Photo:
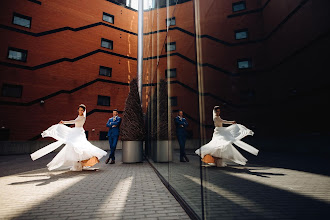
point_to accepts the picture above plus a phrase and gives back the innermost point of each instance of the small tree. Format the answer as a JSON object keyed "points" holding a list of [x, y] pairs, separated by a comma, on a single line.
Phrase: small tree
{"points": [[132, 126], [160, 115]]}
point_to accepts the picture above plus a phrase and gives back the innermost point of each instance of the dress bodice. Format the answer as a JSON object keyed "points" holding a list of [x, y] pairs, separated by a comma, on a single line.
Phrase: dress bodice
{"points": [[217, 121]]}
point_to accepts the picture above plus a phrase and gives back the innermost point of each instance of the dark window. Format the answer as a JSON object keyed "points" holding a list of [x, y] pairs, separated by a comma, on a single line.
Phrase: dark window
{"points": [[103, 135], [14, 91], [107, 43], [105, 71], [108, 18], [170, 73], [170, 21], [170, 46], [103, 100], [239, 6], [244, 63], [17, 54], [292, 91], [22, 20], [4, 134], [241, 34], [121, 2], [174, 101], [163, 3], [248, 95]]}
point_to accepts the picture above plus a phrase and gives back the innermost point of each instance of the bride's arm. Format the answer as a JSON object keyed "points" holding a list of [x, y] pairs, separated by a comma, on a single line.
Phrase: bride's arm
{"points": [[72, 121], [228, 122]]}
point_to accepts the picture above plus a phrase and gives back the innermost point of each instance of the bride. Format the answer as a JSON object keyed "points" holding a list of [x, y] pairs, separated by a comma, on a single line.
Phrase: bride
{"points": [[220, 148], [78, 152]]}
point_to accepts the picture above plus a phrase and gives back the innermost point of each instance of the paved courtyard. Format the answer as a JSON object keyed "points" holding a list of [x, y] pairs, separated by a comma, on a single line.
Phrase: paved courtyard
{"points": [[270, 186], [121, 191]]}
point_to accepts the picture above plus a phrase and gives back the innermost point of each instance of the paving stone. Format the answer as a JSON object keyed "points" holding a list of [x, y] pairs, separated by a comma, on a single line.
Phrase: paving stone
{"points": [[36, 193], [270, 186]]}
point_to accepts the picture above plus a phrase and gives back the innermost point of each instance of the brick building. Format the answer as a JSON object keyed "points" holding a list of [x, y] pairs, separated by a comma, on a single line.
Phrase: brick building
{"points": [[261, 60], [58, 54]]}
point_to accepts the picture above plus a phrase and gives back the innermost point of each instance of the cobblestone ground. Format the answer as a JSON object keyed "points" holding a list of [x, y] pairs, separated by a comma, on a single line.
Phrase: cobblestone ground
{"points": [[121, 191], [270, 186]]}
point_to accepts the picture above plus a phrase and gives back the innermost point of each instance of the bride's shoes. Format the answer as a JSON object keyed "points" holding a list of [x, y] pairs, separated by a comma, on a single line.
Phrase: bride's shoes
{"points": [[76, 166]]}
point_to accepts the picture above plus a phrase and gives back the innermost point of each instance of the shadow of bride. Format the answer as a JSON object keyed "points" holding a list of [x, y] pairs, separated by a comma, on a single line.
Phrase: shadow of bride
{"points": [[251, 172], [45, 181]]}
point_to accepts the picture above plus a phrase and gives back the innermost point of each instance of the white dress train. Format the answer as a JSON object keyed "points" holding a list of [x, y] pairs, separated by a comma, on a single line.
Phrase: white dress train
{"points": [[221, 145], [77, 148]]}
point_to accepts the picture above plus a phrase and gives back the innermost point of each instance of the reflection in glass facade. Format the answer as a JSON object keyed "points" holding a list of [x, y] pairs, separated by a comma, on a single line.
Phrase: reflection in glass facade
{"points": [[245, 57]]}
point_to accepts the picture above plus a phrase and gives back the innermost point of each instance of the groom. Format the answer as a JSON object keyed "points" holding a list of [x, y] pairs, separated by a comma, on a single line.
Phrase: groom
{"points": [[181, 124], [113, 134]]}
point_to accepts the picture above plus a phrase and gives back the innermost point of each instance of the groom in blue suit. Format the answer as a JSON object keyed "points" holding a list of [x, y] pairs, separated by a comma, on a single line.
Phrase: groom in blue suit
{"points": [[181, 124], [113, 134]]}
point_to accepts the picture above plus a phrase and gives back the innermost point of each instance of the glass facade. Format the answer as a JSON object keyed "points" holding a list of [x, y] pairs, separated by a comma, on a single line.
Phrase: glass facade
{"points": [[241, 56]]}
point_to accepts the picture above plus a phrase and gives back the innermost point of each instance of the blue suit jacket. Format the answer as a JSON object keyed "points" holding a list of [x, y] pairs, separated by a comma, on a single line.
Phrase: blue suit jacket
{"points": [[180, 125], [113, 131]]}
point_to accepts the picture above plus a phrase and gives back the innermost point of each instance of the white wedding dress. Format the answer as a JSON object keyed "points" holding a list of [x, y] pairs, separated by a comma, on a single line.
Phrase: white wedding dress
{"points": [[77, 148], [221, 145]]}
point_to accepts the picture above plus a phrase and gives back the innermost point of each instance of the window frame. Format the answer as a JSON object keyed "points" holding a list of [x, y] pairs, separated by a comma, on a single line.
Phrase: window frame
{"points": [[170, 19], [13, 86], [102, 96], [103, 134], [110, 15], [242, 30], [107, 40], [4, 134], [169, 70], [248, 95], [176, 101], [107, 68], [238, 3], [171, 43], [242, 60], [17, 50], [21, 16]]}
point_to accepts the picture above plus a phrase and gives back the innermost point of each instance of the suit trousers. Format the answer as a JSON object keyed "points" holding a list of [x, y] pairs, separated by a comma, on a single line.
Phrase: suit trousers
{"points": [[182, 143], [113, 144]]}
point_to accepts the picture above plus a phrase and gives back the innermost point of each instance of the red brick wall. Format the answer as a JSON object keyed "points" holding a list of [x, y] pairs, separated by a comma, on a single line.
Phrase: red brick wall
{"points": [[285, 45], [286, 41], [26, 122]]}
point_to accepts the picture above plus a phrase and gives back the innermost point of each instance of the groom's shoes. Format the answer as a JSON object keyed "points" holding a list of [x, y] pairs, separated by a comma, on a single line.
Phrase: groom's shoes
{"points": [[112, 162], [107, 161], [182, 160], [186, 158]]}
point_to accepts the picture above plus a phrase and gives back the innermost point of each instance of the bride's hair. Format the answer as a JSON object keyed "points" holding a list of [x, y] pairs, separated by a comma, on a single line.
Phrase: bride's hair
{"points": [[216, 108], [82, 106]]}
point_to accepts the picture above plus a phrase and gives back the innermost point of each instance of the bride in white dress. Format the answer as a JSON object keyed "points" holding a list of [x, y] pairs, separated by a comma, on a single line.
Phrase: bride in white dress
{"points": [[221, 148], [78, 152]]}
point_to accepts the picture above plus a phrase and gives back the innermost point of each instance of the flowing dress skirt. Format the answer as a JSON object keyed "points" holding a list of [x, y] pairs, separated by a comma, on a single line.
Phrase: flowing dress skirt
{"points": [[77, 148], [221, 145]]}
